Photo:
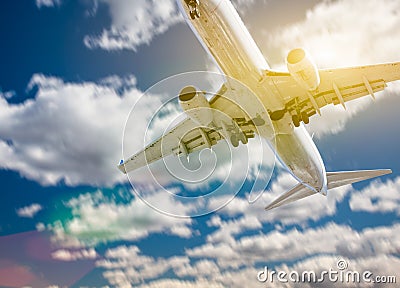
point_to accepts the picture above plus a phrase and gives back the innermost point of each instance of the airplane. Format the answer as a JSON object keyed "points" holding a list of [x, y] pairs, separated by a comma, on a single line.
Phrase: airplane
{"points": [[289, 100]]}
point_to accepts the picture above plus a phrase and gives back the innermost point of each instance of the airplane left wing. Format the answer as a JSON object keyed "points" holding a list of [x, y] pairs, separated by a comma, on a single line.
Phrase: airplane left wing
{"points": [[337, 86], [183, 139], [188, 136]]}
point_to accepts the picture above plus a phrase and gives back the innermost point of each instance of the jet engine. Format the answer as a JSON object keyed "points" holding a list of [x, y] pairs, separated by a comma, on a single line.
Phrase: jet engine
{"points": [[196, 105], [303, 69]]}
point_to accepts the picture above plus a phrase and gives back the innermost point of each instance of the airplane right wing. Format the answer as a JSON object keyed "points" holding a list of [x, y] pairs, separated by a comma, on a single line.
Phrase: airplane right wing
{"points": [[337, 86]]}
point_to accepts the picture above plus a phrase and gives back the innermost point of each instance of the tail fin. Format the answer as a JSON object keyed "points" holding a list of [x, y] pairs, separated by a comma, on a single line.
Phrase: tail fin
{"points": [[335, 179]]}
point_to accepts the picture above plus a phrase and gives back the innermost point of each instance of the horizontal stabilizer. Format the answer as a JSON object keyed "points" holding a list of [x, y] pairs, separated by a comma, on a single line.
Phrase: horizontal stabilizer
{"points": [[335, 179], [296, 193]]}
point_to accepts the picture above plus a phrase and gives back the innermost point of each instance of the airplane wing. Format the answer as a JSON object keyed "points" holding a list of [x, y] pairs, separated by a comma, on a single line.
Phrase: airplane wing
{"points": [[187, 137], [184, 138], [337, 86]]}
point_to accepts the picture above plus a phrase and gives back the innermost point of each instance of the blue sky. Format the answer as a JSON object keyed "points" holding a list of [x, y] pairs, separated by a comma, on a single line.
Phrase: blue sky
{"points": [[70, 73]]}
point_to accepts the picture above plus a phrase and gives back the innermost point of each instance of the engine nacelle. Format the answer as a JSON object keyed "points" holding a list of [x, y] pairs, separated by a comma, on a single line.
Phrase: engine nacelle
{"points": [[196, 105], [303, 69]]}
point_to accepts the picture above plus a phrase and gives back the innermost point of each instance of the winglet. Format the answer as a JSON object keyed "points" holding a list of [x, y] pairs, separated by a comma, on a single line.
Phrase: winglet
{"points": [[121, 166]]}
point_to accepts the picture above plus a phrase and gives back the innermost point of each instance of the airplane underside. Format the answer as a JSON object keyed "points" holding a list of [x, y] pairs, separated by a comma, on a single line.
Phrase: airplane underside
{"points": [[257, 100]]}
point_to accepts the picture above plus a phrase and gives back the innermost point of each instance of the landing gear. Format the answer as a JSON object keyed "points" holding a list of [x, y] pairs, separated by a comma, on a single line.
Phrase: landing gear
{"points": [[296, 120], [305, 118], [235, 138], [195, 13], [234, 141], [193, 6], [243, 139]]}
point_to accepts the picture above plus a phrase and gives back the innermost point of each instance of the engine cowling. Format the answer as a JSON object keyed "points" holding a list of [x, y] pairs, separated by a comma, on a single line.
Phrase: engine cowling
{"points": [[196, 105], [303, 69]]}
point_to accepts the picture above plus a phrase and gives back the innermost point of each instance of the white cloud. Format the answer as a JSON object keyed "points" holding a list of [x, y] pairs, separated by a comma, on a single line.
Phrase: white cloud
{"points": [[40, 227], [237, 264], [227, 229], [29, 211], [70, 132], [378, 197], [300, 212], [382, 265], [127, 265], [167, 283], [47, 3], [243, 5], [138, 22], [336, 38], [67, 255], [135, 23], [294, 244], [98, 219]]}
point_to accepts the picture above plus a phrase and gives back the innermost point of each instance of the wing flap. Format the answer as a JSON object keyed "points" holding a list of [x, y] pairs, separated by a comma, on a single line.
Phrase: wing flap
{"points": [[337, 86], [184, 138]]}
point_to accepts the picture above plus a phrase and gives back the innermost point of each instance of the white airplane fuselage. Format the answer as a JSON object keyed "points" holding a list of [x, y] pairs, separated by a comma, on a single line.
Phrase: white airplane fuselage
{"points": [[225, 37]]}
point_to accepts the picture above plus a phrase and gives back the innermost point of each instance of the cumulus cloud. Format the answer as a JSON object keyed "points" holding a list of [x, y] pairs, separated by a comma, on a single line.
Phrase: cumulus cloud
{"points": [[47, 3], [166, 283], [237, 264], [243, 5], [300, 212], [382, 265], [294, 245], [336, 38], [127, 265], [70, 132], [228, 229], [29, 211], [68, 255], [135, 23], [97, 218], [378, 197]]}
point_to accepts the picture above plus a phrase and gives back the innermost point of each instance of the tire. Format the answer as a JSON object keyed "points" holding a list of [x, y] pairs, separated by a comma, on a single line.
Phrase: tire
{"points": [[234, 141], [296, 120], [197, 12], [305, 118], [244, 139]]}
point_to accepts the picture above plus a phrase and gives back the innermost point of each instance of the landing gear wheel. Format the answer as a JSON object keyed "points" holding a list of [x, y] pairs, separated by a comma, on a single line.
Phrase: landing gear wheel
{"points": [[296, 120], [244, 139], [197, 12], [234, 141], [305, 118], [192, 15]]}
